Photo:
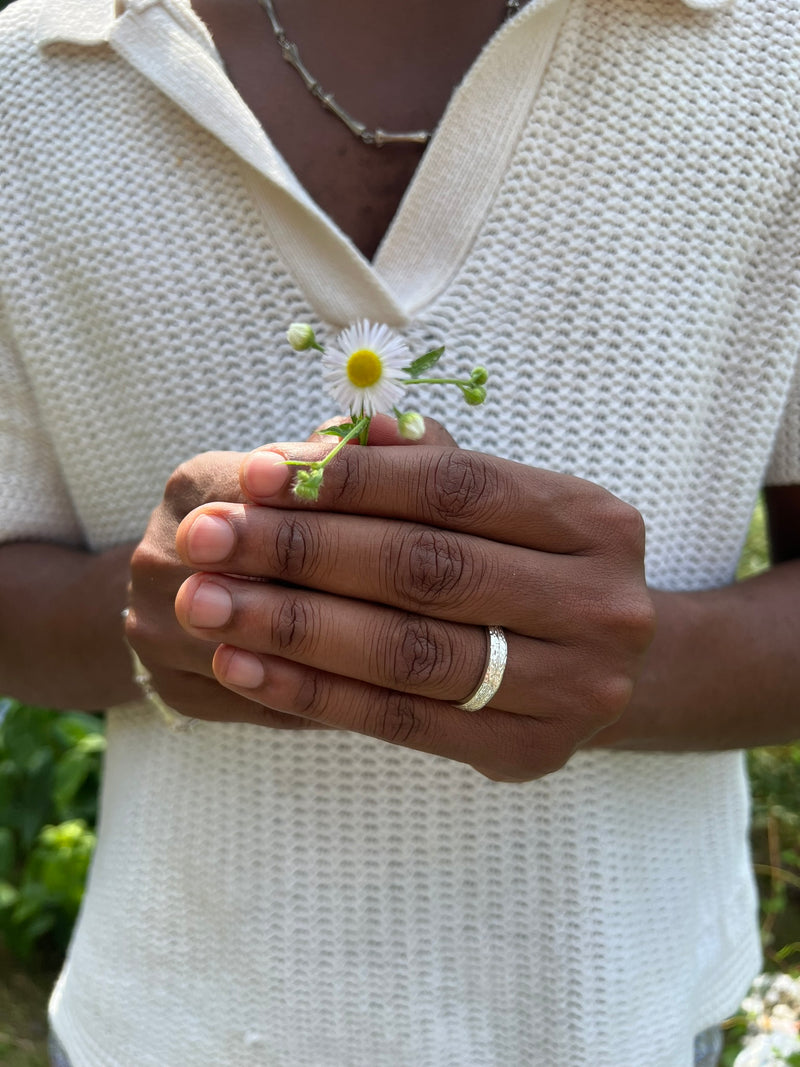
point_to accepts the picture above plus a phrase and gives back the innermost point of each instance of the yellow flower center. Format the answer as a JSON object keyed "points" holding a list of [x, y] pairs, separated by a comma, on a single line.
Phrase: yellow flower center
{"points": [[364, 368]]}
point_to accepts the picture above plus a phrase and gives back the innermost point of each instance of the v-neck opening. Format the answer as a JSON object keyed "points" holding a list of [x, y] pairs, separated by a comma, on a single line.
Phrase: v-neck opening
{"points": [[449, 194], [457, 180]]}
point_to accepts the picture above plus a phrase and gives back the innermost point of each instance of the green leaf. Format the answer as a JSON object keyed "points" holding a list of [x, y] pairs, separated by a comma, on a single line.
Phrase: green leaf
{"points": [[73, 727], [424, 363], [39, 925], [25, 734], [34, 803], [71, 772], [342, 430], [8, 852], [10, 778], [33, 899], [92, 745], [8, 895]]}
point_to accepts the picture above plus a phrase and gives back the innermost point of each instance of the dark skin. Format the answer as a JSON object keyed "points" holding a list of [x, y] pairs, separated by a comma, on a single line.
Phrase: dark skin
{"points": [[783, 510], [417, 52], [721, 672]]}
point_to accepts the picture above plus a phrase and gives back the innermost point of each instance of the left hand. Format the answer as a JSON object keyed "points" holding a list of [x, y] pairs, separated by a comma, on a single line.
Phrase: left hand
{"points": [[395, 573]]}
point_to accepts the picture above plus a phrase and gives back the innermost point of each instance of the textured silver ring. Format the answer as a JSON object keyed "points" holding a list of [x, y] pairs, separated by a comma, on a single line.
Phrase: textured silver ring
{"points": [[493, 675]]}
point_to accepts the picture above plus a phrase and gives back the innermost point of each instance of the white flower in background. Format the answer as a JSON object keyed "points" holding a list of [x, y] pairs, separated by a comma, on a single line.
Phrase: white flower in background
{"points": [[364, 370], [773, 1022]]}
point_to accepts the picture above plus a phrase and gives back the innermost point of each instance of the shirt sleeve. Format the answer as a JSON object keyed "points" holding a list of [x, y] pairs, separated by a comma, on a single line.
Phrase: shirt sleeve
{"points": [[34, 501]]}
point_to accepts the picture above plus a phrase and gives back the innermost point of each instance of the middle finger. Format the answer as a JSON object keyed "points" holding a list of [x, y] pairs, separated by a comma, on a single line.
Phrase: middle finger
{"points": [[417, 568]]}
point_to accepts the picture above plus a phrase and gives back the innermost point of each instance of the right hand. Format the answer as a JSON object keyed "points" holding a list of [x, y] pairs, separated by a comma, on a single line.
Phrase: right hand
{"points": [[180, 664]]}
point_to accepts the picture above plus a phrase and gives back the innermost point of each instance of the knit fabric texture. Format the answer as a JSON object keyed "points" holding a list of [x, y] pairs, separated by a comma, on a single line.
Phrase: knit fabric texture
{"points": [[625, 262]]}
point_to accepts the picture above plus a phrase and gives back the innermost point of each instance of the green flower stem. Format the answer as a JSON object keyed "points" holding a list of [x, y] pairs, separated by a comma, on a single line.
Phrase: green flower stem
{"points": [[360, 428], [435, 381]]}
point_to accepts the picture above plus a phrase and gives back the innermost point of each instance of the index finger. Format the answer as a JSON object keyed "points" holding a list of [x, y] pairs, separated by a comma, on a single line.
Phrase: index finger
{"points": [[451, 488]]}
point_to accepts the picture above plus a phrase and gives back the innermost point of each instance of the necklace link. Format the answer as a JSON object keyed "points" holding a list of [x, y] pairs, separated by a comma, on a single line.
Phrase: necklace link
{"points": [[377, 137]]}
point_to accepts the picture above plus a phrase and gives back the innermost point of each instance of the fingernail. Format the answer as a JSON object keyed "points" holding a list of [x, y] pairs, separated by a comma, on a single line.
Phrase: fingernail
{"points": [[265, 474], [210, 539], [211, 606], [244, 670]]}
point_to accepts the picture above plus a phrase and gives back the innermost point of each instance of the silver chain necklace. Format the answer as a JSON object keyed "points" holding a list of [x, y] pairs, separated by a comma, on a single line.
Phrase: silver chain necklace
{"points": [[376, 137]]}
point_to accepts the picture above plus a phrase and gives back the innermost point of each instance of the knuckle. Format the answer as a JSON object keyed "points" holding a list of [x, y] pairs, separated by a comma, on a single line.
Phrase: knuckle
{"points": [[292, 624], [629, 527], [619, 618], [154, 575], [350, 482], [629, 620], [605, 701], [182, 490], [202, 479], [464, 483], [416, 655], [310, 694], [435, 568], [619, 526], [151, 559], [402, 718], [639, 622], [293, 545], [143, 558], [347, 480]]}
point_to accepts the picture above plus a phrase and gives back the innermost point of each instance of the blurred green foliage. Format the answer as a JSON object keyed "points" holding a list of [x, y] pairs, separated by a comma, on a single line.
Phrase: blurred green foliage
{"points": [[49, 776], [775, 775], [755, 554], [775, 834]]}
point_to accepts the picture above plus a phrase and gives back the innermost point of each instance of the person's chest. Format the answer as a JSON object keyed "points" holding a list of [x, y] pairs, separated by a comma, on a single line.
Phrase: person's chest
{"points": [[393, 69]]}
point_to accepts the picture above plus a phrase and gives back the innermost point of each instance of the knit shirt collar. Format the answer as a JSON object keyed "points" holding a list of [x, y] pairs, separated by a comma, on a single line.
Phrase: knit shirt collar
{"points": [[89, 22]]}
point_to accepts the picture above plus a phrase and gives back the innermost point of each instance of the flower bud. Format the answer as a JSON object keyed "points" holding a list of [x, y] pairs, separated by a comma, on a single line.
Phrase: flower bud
{"points": [[474, 394], [307, 484], [301, 337], [411, 425], [479, 376]]}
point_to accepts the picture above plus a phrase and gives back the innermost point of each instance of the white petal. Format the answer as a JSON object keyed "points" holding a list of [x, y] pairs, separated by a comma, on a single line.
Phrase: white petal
{"points": [[394, 356]]}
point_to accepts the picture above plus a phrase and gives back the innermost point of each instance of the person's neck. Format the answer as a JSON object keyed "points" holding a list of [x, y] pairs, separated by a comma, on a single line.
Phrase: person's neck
{"points": [[391, 65], [416, 31]]}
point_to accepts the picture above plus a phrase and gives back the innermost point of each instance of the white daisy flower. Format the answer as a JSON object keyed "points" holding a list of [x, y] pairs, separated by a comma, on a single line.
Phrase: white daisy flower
{"points": [[363, 369]]}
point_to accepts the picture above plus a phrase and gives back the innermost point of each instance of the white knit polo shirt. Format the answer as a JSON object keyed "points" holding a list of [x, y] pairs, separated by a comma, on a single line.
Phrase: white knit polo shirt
{"points": [[608, 218]]}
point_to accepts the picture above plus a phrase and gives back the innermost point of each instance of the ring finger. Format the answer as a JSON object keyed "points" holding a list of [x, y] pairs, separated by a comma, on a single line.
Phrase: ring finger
{"points": [[370, 643]]}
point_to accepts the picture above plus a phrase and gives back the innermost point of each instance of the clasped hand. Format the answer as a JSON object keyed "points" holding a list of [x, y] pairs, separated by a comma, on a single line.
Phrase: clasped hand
{"points": [[369, 609]]}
